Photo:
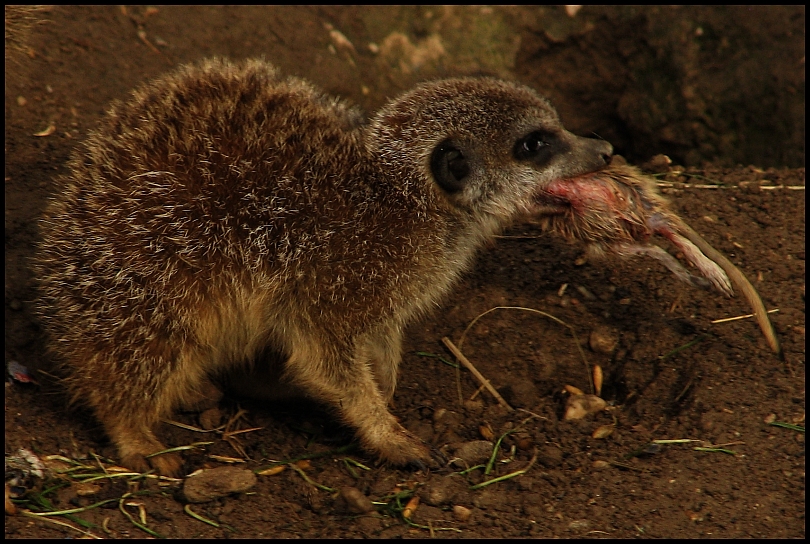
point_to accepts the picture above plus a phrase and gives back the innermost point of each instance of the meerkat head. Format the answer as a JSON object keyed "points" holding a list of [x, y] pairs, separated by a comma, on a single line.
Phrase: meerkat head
{"points": [[480, 147]]}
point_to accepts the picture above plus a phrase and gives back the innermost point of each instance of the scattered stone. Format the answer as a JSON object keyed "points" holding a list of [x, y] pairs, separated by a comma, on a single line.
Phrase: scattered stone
{"points": [[461, 513], [474, 406], [524, 441], [603, 340], [579, 406], [352, 500], [26, 464], [474, 452], [213, 483], [521, 394], [442, 491]]}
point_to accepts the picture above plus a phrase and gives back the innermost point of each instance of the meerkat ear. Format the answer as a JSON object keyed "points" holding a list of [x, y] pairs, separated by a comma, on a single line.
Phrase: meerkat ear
{"points": [[449, 166]]}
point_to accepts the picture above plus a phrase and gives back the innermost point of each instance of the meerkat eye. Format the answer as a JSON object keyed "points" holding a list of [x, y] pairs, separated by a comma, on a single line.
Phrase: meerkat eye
{"points": [[449, 166], [534, 146]]}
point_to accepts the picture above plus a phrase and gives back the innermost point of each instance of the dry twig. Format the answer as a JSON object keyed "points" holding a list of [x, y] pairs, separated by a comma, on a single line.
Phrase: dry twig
{"points": [[463, 360]]}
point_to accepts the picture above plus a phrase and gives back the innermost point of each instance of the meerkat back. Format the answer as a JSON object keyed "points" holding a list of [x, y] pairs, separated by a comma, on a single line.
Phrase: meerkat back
{"points": [[166, 252]]}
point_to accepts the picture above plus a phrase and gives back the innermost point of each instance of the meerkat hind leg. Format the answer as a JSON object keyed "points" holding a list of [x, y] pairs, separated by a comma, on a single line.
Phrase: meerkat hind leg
{"points": [[184, 384], [136, 441]]}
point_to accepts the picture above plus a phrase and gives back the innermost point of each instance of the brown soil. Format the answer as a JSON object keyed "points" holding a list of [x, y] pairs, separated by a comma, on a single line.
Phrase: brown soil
{"points": [[722, 388]]}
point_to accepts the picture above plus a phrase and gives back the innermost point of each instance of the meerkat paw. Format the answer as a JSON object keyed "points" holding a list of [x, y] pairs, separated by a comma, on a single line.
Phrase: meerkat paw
{"points": [[137, 447], [166, 464], [401, 448]]}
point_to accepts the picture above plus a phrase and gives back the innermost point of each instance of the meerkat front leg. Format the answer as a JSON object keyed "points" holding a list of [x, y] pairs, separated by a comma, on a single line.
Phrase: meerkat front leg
{"points": [[346, 381], [383, 349]]}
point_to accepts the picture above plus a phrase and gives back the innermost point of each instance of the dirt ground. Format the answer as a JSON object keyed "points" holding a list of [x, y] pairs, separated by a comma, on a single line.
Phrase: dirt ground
{"points": [[672, 374]]}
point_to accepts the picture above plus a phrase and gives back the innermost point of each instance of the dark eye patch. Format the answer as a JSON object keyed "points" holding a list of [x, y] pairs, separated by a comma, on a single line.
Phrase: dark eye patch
{"points": [[449, 166], [537, 146]]}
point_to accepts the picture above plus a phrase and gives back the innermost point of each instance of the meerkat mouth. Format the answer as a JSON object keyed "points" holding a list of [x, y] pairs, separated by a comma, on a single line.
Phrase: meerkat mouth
{"points": [[565, 196], [581, 191]]}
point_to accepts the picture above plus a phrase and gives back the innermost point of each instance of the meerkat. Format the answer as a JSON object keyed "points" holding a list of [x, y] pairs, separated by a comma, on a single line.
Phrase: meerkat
{"points": [[224, 210]]}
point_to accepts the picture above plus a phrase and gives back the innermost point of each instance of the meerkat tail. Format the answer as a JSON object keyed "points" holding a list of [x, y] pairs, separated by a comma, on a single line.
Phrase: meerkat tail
{"points": [[739, 279]]}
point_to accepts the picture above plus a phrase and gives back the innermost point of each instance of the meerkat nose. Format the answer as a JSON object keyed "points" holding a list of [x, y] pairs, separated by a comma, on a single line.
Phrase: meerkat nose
{"points": [[606, 151]]}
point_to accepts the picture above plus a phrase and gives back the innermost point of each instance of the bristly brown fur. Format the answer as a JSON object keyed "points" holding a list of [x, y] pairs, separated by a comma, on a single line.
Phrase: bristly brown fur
{"points": [[20, 21], [223, 210]]}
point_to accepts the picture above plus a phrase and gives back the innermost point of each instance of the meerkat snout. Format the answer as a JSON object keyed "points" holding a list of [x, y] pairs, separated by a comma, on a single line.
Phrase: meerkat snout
{"points": [[490, 146], [223, 212], [587, 155]]}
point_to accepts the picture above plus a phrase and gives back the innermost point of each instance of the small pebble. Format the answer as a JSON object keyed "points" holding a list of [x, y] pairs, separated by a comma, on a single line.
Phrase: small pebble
{"points": [[474, 406], [441, 491], [461, 513], [579, 406], [210, 484], [603, 340], [475, 452], [524, 442], [353, 501], [520, 393]]}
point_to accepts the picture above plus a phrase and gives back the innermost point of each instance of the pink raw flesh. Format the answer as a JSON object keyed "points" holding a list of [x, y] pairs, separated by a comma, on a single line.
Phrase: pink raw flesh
{"points": [[618, 212]]}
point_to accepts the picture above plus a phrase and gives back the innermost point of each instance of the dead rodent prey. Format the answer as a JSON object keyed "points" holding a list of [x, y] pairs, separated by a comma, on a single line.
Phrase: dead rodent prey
{"points": [[618, 210]]}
